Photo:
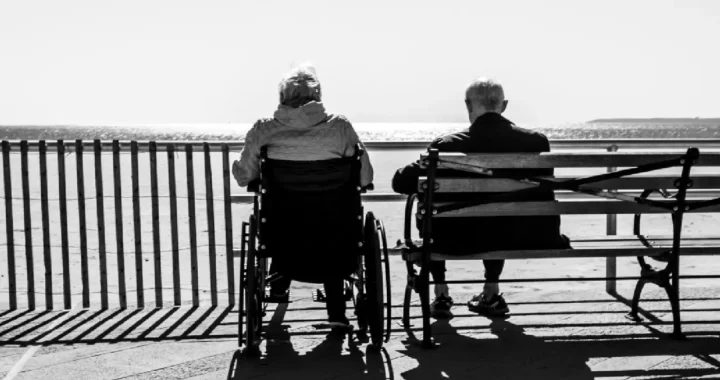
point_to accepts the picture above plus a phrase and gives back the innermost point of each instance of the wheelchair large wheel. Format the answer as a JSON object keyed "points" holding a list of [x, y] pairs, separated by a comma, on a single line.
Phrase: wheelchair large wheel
{"points": [[254, 292], [375, 305]]}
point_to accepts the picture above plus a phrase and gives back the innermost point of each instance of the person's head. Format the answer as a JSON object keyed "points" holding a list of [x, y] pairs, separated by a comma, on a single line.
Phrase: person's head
{"points": [[299, 87], [484, 95]]}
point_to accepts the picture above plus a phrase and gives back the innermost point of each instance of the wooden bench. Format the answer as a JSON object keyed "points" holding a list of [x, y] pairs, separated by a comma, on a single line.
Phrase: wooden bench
{"points": [[626, 191]]}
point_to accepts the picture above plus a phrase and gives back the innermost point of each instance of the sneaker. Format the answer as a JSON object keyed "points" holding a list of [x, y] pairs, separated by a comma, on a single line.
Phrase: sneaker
{"points": [[440, 307], [494, 307]]}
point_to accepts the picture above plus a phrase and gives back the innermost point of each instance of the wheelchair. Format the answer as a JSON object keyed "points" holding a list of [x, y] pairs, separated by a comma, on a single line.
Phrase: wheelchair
{"points": [[308, 220]]}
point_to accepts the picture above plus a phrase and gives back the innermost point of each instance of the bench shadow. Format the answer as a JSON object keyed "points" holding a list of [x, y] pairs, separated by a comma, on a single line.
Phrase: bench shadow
{"points": [[508, 354]]}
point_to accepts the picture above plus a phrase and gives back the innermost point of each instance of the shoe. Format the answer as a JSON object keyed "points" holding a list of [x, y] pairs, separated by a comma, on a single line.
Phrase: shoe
{"points": [[318, 295], [280, 297], [494, 307], [341, 325], [440, 307], [663, 257]]}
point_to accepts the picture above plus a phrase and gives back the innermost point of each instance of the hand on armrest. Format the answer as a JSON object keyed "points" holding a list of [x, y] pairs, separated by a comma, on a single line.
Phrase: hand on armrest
{"points": [[368, 187]]}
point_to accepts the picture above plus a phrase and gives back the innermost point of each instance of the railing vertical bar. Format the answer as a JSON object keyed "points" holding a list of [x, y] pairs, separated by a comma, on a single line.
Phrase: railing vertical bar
{"points": [[122, 288], [100, 209], [228, 225], [62, 193], [82, 223], [191, 220], [28, 225], [174, 225], [7, 180], [156, 224], [136, 221], [47, 257], [611, 229], [211, 224]]}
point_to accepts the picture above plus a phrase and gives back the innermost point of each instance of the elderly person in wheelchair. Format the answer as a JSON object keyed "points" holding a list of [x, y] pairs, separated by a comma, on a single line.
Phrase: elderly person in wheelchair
{"points": [[308, 169]]}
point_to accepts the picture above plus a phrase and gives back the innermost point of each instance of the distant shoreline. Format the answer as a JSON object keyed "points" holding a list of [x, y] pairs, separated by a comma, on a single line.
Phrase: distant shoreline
{"points": [[656, 120]]}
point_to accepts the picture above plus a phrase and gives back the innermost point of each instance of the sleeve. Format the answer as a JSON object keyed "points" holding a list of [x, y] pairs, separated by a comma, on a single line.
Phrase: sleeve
{"points": [[405, 180], [247, 168], [544, 146], [366, 170]]}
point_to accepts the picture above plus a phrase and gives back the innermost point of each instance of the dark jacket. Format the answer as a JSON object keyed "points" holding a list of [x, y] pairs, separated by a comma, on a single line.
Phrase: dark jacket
{"points": [[490, 133]]}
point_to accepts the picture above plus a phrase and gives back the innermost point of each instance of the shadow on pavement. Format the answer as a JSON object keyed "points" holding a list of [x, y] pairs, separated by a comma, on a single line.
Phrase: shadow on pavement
{"points": [[333, 357]]}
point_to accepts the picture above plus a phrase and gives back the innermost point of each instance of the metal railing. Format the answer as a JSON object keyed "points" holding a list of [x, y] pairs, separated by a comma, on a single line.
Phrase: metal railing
{"points": [[117, 149]]}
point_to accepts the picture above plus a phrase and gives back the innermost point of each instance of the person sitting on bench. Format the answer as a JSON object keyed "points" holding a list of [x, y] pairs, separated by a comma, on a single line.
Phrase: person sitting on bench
{"points": [[489, 132], [301, 130]]}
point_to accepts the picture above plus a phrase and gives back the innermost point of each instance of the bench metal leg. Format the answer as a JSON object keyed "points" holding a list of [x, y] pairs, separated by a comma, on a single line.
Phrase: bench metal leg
{"points": [[409, 288], [672, 292], [662, 278], [633, 315], [424, 290]]}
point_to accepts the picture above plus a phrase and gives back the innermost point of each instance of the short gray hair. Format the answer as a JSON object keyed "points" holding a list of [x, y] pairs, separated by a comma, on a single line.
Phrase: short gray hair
{"points": [[299, 87], [486, 92]]}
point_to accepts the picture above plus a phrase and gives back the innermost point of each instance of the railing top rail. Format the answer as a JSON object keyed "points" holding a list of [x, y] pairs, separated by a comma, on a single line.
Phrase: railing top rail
{"points": [[237, 145]]}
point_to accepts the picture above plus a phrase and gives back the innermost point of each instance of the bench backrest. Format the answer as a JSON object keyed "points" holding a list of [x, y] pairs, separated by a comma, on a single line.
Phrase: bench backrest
{"points": [[582, 204]]}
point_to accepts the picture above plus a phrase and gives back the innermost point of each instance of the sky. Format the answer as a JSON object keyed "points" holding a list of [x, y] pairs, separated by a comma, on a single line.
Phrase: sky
{"points": [[220, 61]]}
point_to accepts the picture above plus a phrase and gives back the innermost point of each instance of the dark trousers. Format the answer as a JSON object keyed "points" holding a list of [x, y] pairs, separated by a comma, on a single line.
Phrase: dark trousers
{"points": [[334, 294], [493, 270]]}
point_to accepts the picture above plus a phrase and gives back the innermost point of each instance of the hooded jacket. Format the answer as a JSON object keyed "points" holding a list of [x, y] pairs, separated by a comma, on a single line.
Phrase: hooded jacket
{"points": [[305, 133]]}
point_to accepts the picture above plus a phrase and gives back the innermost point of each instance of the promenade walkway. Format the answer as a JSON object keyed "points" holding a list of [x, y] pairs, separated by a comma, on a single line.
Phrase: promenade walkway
{"points": [[556, 331]]}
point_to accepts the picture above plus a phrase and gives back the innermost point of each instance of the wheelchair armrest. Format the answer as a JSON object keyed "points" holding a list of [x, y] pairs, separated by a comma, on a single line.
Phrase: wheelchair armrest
{"points": [[253, 186]]}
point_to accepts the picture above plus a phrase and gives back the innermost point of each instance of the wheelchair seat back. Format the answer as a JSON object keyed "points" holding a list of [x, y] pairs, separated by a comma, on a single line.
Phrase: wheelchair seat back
{"points": [[310, 217]]}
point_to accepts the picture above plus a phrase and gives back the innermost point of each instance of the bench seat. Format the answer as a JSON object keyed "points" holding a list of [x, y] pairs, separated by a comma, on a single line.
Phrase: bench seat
{"points": [[596, 246]]}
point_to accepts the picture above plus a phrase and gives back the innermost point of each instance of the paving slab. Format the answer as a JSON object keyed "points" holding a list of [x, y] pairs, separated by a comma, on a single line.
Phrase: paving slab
{"points": [[555, 331]]}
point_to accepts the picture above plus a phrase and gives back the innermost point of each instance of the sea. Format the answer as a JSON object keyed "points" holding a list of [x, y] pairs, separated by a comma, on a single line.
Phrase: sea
{"points": [[603, 129]]}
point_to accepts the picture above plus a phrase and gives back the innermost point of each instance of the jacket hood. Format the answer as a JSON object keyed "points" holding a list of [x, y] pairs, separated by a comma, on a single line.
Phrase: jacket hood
{"points": [[304, 116]]}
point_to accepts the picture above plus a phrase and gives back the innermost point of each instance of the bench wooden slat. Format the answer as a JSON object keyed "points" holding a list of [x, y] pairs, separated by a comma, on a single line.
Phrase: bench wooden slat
{"points": [[605, 246], [568, 159], [568, 207], [489, 185]]}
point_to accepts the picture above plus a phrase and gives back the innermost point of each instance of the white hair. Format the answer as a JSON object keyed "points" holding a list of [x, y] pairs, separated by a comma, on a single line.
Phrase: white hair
{"points": [[486, 92], [299, 86]]}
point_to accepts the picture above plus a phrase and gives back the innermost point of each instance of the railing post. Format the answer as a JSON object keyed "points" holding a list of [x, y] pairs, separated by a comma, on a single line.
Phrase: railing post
{"points": [[228, 225], [156, 224], [47, 254], [174, 225], [100, 212], [82, 223], [211, 224], [30, 266], [191, 221], [122, 289], [611, 229], [136, 222], [9, 228]]}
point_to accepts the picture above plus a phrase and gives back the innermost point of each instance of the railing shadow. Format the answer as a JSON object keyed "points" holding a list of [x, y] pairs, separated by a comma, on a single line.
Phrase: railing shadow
{"points": [[113, 326]]}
